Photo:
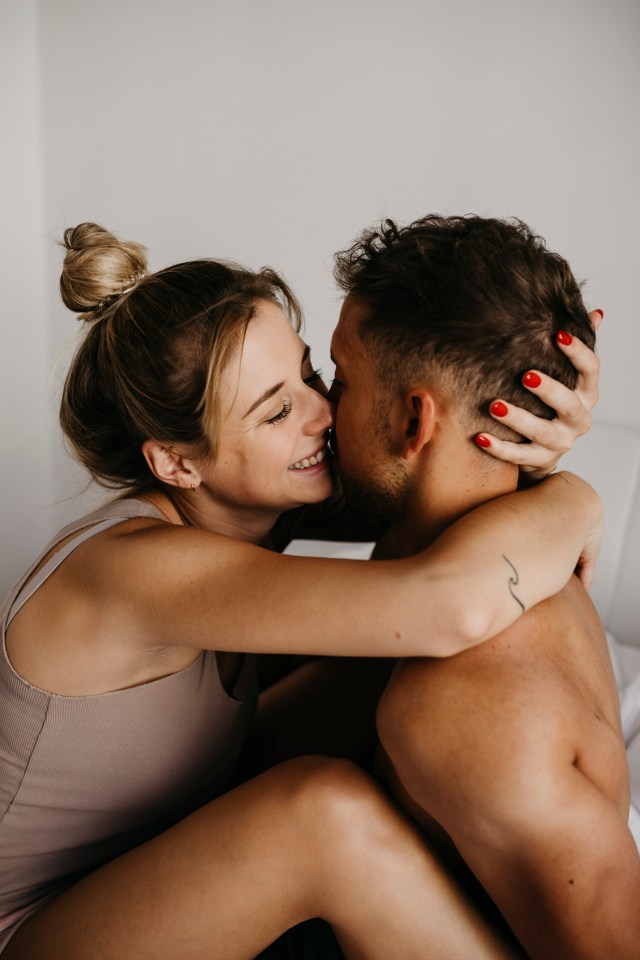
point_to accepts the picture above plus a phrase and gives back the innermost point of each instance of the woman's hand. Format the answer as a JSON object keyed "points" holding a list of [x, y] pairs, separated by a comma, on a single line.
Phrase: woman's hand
{"points": [[550, 439]]}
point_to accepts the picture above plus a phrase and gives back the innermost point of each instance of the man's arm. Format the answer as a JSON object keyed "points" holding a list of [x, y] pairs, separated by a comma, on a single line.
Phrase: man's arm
{"points": [[559, 862], [554, 854]]}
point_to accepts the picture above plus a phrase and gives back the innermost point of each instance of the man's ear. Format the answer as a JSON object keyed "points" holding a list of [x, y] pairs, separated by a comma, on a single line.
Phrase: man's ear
{"points": [[169, 466], [420, 418]]}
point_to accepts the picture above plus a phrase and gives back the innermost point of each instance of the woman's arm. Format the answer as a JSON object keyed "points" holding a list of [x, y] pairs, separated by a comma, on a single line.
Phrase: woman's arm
{"points": [[177, 585]]}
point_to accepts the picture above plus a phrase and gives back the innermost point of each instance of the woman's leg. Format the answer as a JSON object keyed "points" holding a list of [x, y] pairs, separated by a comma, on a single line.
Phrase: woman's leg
{"points": [[311, 838]]}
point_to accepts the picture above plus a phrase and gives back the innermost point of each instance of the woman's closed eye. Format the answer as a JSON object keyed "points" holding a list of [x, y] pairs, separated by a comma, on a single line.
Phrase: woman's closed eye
{"points": [[313, 377], [314, 380], [286, 410]]}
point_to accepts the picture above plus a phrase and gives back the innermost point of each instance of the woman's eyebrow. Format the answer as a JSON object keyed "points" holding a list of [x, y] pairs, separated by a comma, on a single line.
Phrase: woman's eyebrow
{"points": [[265, 396], [278, 386]]}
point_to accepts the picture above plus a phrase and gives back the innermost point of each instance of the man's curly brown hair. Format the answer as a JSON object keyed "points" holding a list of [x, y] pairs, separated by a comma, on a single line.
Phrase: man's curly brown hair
{"points": [[468, 303]]}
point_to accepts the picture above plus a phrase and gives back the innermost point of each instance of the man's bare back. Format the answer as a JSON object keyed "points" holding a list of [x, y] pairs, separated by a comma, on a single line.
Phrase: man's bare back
{"points": [[514, 749]]}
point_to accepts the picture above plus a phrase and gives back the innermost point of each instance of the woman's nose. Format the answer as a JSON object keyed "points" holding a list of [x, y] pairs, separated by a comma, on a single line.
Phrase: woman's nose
{"points": [[320, 413]]}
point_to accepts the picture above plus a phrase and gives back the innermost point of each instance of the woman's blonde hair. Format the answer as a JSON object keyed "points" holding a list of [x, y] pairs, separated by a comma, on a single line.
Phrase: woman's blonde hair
{"points": [[150, 364]]}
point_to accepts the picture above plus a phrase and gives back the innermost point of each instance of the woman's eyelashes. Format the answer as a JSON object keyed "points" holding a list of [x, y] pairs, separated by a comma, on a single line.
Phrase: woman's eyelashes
{"points": [[313, 377], [286, 410]]}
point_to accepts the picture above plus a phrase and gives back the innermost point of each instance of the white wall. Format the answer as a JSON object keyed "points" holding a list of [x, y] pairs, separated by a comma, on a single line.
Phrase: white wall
{"points": [[273, 130], [25, 355]]}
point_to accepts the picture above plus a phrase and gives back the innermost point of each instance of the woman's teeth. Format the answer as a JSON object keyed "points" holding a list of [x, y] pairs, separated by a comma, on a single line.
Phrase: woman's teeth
{"points": [[308, 461]]}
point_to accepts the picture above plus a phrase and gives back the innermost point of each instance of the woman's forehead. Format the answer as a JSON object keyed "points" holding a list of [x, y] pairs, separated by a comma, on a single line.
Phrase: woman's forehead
{"points": [[268, 356]]}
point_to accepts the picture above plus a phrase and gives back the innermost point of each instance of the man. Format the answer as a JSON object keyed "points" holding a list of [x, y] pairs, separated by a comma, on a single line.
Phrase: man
{"points": [[509, 755]]}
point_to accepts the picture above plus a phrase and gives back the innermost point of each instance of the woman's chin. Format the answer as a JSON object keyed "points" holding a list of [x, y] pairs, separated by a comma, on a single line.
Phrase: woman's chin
{"points": [[313, 484]]}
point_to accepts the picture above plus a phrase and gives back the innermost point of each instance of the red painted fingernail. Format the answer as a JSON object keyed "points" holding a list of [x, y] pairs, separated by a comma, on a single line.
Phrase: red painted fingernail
{"points": [[499, 409], [601, 312], [531, 379], [483, 441], [563, 337]]}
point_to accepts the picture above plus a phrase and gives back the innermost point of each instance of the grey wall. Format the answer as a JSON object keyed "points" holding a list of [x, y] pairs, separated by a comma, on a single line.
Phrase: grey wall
{"points": [[26, 437], [272, 131]]}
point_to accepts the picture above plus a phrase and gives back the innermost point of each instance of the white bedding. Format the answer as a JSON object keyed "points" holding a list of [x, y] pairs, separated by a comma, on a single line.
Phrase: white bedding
{"points": [[626, 664]]}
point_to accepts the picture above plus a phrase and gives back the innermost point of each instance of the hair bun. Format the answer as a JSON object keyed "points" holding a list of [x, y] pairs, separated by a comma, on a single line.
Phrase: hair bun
{"points": [[98, 266]]}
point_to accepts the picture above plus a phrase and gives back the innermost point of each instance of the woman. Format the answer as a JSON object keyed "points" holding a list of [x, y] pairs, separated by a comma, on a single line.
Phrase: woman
{"points": [[126, 689]]}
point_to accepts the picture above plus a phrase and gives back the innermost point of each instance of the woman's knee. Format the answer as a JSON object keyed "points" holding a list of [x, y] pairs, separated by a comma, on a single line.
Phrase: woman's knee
{"points": [[344, 811], [327, 788]]}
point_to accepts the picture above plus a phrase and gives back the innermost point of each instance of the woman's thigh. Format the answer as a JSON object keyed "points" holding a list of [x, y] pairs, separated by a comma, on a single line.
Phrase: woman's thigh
{"points": [[312, 838], [222, 884]]}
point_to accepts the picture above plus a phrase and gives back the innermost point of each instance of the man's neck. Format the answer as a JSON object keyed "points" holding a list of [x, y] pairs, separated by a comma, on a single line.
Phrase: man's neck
{"points": [[452, 482]]}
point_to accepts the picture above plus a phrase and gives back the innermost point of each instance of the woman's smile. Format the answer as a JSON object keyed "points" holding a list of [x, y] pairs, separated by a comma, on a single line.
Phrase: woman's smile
{"points": [[315, 459]]}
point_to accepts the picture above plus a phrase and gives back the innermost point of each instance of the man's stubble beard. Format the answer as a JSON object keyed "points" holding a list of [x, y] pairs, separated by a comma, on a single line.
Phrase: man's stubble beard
{"points": [[373, 504], [382, 496]]}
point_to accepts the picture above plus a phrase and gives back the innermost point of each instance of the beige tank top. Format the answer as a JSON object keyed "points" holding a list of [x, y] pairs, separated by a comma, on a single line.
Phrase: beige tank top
{"points": [[82, 779]]}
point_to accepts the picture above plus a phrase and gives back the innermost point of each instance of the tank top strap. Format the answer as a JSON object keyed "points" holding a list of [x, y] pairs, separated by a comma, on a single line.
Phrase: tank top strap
{"points": [[101, 519]]}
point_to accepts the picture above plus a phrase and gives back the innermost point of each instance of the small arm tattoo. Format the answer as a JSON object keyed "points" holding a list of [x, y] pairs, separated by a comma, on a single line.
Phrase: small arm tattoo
{"points": [[513, 582]]}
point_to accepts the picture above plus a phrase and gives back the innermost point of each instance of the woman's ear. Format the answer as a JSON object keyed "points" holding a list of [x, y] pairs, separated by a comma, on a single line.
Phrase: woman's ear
{"points": [[420, 410], [169, 466]]}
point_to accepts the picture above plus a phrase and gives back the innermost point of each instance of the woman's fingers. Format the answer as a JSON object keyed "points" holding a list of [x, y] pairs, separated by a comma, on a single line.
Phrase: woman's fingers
{"points": [[572, 408], [534, 458], [586, 363], [547, 433], [549, 439]]}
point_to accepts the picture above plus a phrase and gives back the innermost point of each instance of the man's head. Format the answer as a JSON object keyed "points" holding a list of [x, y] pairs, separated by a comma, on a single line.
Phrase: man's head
{"points": [[461, 305]]}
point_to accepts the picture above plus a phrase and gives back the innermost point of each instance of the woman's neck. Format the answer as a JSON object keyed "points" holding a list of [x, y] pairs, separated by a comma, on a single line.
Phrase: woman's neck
{"points": [[195, 508]]}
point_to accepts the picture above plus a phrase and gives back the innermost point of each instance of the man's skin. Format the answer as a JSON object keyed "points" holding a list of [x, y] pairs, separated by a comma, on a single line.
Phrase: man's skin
{"points": [[510, 755]]}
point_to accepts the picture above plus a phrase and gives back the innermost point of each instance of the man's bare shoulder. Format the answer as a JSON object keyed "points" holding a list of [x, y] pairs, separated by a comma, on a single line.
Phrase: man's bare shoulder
{"points": [[539, 694], [511, 758]]}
